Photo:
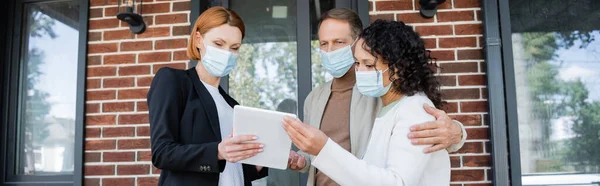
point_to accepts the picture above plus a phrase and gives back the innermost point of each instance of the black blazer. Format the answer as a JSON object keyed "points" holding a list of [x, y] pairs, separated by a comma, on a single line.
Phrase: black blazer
{"points": [[185, 130]]}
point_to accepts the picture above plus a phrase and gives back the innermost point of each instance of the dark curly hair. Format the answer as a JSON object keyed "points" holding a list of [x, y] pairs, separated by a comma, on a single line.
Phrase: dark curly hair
{"points": [[404, 50]]}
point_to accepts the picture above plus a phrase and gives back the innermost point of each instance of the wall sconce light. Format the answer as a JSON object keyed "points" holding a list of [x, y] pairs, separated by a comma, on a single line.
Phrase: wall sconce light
{"points": [[131, 14], [429, 7]]}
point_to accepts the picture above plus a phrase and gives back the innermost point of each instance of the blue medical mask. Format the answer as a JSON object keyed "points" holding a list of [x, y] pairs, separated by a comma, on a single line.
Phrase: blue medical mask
{"points": [[370, 83], [219, 62], [339, 61]]}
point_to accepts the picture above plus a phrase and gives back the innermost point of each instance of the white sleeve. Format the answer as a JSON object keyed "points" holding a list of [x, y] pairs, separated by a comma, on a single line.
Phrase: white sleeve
{"points": [[456, 147], [405, 164]]}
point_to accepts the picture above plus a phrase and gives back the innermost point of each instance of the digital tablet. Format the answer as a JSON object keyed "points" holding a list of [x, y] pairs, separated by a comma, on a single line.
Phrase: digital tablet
{"points": [[268, 126]]}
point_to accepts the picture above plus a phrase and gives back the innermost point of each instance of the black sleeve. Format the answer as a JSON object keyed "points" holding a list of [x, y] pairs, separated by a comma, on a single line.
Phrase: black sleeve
{"points": [[165, 105], [250, 173]]}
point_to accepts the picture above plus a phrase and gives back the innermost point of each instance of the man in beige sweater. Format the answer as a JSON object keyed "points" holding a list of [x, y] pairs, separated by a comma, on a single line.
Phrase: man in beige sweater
{"points": [[344, 114]]}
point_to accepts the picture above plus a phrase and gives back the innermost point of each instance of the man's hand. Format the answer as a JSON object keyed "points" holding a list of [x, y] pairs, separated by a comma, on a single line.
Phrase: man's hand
{"points": [[307, 138], [441, 133], [296, 161]]}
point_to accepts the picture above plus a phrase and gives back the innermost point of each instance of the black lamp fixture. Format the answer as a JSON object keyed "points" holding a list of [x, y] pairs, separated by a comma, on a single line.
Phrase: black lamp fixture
{"points": [[429, 7], [131, 14]]}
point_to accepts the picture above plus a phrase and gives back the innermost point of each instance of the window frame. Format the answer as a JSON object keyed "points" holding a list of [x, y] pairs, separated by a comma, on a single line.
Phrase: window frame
{"points": [[11, 85]]}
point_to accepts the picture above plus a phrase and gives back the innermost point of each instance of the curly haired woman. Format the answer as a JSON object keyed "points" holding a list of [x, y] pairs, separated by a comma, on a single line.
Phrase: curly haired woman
{"points": [[391, 63]]}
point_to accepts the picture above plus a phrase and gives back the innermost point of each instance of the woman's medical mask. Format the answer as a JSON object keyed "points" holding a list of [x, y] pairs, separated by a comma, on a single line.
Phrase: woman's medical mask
{"points": [[339, 61], [219, 62], [370, 83]]}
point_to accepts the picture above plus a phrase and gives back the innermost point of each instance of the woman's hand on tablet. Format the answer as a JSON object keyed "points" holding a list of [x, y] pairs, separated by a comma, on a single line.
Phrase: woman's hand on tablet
{"points": [[296, 161], [233, 149], [306, 137]]}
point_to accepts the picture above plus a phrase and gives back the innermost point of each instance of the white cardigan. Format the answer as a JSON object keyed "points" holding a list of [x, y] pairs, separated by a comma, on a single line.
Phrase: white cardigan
{"points": [[390, 158]]}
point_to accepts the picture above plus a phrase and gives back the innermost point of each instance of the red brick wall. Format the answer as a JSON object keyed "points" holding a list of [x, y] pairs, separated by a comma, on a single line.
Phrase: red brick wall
{"points": [[455, 38], [120, 68]]}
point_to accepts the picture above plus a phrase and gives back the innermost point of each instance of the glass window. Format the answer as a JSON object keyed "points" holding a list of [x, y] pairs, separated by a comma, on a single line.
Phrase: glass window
{"points": [[46, 132], [556, 50], [265, 76]]}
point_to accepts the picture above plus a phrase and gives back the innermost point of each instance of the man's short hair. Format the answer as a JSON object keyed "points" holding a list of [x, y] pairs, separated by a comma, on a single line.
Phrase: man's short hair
{"points": [[344, 14]]}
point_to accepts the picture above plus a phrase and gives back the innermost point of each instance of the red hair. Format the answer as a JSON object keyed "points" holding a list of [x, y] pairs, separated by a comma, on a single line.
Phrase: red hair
{"points": [[209, 19]]}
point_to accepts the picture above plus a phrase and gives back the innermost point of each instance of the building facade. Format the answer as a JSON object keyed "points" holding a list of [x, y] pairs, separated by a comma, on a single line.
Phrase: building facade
{"points": [[521, 75]]}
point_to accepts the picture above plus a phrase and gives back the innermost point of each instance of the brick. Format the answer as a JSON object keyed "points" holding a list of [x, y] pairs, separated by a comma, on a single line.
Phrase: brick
{"points": [[100, 95], [468, 29], [172, 65], [473, 106], [119, 59], [101, 120], [118, 107], [94, 36], [478, 16], [470, 54], [133, 119], [91, 182], [102, 48], [100, 145], [118, 156], [103, 23], [133, 93], [142, 106], [170, 44], [478, 133], [92, 83], [476, 161], [94, 60], [144, 81], [155, 170], [136, 46], [92, 107], [430, 43], [154, 57], [467, 3], [488, 147], [434, 30], [447, 81], [455, 161], [118, 181], [459, 67], [450, 107], [482, 67], [482, 184], [484, 93], [156, 8], [458, 42], [147, 181], [96, 2], [181, 6], [171, 18], [118, 35], [467, 175], [92, 157], [471, 147], [134, 70], [373, 18], [180, 55], [144, 156], [110, 12], [393, 5], [468, 93], [471, 80], [118, 82], [118, 132], [143, 131], [413, 18], [92, 132], [456, 16], [156, 32], [443, 55], [181, 30], [101, 71], [134, 144], [468, 120]]}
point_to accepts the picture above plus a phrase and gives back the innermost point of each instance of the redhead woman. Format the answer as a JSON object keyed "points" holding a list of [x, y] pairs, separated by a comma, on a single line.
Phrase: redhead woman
{"points": [[191, 117]]}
